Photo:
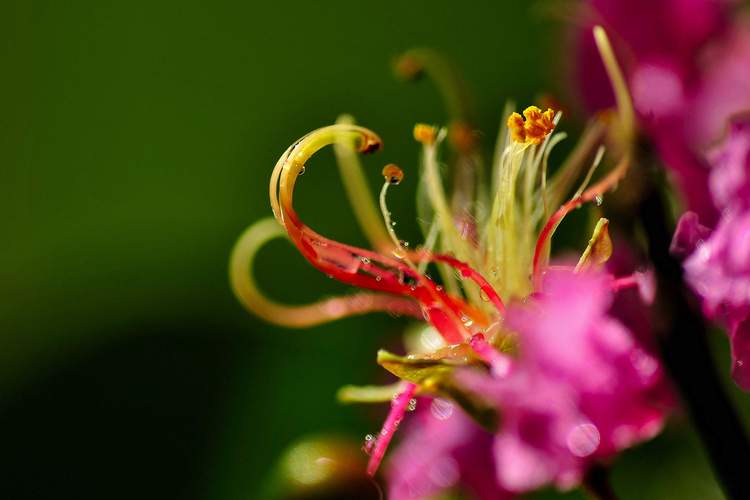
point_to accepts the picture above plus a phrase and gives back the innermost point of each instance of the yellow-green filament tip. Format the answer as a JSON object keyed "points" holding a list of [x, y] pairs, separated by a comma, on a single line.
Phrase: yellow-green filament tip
{"points": [[616, 78]]}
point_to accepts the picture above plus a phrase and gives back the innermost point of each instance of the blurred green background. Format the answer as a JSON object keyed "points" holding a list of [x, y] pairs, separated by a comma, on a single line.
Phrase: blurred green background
{"points": [[137, 141]]}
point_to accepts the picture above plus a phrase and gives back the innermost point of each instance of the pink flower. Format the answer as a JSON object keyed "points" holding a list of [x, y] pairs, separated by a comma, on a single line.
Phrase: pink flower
{"points": [[581, 390], [718, 262], [719, 271]]}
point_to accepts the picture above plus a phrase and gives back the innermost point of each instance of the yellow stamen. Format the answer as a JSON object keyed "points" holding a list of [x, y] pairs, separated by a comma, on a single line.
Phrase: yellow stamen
{"points": [[533, 127], [424, 133]]}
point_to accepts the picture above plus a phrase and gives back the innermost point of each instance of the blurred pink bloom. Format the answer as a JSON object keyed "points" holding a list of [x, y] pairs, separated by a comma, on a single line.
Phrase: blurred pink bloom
{"points": [[442, 447], [689, 71], [718, 264], [581, 389], [585, 385], [719, 268]]}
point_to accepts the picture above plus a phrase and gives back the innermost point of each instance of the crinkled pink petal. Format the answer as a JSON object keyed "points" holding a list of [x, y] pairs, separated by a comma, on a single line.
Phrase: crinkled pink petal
{"points": [[719, 269], [730, 175], [688, 235]]}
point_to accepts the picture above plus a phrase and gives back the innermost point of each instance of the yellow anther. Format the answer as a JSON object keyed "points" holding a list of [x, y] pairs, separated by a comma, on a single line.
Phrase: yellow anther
{"points": [[533, 127], [424, 133]]}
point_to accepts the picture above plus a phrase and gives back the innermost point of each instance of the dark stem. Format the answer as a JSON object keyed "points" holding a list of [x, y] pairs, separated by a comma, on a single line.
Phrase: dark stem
{"points": [[681, 331], [597, 483]]}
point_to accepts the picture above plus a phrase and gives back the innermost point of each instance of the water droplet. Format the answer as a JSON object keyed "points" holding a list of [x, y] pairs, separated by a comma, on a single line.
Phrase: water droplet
{"points": [[467, 321], [393, 174], [412, 405], [583, 440], [431, 339], [365, 260], [301, 171], [441, 409], [483, 295], [369, 444], [439, 288], [405, 244], [598, 199], [378, 278]]}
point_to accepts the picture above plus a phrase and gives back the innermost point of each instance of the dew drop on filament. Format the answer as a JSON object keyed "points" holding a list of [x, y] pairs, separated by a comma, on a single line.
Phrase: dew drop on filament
{"points": [[598, 199], [412, 405], [369, 443]]}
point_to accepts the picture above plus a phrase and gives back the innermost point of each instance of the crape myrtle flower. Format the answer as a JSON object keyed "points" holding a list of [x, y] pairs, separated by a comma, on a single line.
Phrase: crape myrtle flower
{"points": [[687, 64], [717, 261], [490, 243]]}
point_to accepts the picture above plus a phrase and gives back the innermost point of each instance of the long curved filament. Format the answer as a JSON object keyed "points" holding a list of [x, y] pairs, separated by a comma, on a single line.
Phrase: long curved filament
{"points": [[298, 316], [357, 266]]}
